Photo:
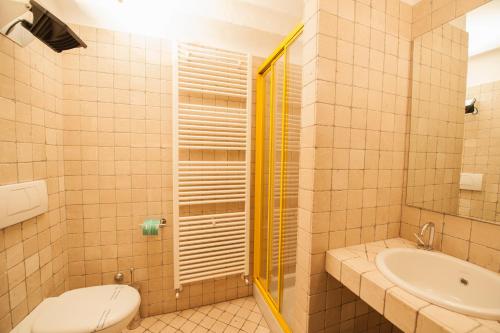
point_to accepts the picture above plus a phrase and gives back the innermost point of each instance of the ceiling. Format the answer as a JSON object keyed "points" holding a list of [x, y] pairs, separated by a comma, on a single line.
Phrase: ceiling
{"points": [[276, 16], [252, 26]]}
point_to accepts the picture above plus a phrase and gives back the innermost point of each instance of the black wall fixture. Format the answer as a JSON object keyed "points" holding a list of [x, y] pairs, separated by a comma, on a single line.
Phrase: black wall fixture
{"points": [[51, 30], [470, 106]]}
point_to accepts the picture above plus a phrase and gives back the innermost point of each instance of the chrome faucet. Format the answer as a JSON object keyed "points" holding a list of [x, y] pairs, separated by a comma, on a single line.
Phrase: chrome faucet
{"points": [[421, 244]]}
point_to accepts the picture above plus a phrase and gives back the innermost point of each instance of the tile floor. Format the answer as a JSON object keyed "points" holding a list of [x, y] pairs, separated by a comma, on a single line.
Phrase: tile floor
{"points": [[239, 315]]}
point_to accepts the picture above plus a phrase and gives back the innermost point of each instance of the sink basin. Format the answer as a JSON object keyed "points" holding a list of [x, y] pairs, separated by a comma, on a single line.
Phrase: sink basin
{"points": [[443, 280]]}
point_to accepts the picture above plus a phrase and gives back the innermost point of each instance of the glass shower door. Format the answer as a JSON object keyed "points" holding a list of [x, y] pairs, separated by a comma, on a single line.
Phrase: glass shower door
{"points": [[290, 204], [264, 177], [276, 176], [275, 170]]}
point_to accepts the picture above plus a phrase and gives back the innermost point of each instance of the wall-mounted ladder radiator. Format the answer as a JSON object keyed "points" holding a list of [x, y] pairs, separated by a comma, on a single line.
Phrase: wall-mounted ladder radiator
{"points": [[211, 162]]}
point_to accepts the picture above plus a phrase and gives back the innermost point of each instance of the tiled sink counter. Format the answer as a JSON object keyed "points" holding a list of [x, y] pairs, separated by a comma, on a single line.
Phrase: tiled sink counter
{"points": [[355, 268]]}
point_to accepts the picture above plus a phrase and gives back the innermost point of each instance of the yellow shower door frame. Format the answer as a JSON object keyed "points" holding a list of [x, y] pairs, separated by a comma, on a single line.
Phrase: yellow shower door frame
{"points": [[267, 68]]}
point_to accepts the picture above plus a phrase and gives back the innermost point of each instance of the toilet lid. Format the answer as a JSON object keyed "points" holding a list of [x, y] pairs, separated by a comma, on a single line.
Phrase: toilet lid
{"points": [[87, 309]]}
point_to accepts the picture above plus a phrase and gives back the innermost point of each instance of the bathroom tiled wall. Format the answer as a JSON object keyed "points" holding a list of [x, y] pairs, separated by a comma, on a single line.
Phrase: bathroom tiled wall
{"points": [[437, 118], [118, 155], [117, 149], [33, 256], [482, 153], [355, 97]]}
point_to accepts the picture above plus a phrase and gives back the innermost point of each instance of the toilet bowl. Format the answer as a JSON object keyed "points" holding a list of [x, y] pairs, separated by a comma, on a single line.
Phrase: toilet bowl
{"points": [[103, 309]]}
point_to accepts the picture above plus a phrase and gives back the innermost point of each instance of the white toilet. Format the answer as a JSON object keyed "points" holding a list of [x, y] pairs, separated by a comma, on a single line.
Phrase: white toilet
{"points": [[103, 309]]}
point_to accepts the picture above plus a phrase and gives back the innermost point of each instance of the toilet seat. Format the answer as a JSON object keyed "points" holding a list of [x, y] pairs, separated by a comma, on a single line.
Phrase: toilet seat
{"points": [[85, 310]]}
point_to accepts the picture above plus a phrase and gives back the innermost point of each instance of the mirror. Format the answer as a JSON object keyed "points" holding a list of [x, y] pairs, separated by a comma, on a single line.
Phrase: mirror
{"points": [[454, 152]]}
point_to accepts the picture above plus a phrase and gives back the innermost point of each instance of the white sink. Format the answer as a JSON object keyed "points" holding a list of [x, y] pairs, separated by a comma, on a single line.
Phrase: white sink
{"points": [[443, 280]]}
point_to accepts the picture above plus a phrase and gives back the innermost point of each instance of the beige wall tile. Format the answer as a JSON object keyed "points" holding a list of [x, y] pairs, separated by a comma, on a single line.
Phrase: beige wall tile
{"points": [[455, 247], [484, 256], [365, 199], [486, 234], [457, 227]]}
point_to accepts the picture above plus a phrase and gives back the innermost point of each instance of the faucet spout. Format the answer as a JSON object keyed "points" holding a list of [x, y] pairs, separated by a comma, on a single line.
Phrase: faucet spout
{"points": [[422, 244]]}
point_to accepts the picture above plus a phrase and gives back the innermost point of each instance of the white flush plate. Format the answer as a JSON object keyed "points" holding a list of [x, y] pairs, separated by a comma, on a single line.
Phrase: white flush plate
{"points": [[20, 202]]}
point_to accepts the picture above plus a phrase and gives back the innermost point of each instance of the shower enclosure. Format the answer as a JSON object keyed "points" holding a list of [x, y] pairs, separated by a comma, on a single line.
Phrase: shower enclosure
{"points": [[279, 87]]}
